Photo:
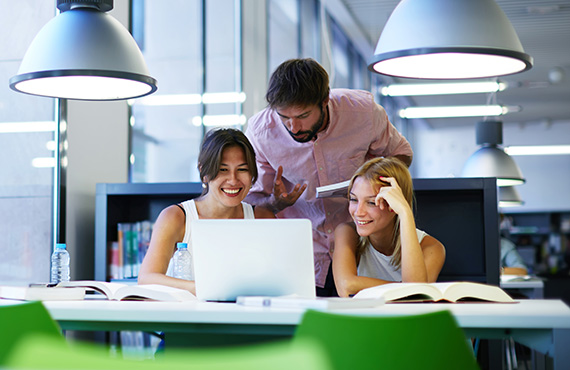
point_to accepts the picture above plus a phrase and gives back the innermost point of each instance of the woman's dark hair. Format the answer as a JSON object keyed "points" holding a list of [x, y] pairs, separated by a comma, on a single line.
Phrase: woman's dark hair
{"points": [[212, 148], [298, 83]]}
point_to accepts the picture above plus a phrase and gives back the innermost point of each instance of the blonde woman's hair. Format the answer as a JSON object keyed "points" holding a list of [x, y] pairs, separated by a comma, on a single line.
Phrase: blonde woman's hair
{"points": [[372, 170]]}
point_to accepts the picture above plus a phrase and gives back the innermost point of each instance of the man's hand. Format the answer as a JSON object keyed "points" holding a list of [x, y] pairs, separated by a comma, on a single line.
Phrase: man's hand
{"points": [[281, 198]]}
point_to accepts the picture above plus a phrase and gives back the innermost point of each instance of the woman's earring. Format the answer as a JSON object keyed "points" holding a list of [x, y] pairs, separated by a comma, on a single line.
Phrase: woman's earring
{"points": [[204, 185]]}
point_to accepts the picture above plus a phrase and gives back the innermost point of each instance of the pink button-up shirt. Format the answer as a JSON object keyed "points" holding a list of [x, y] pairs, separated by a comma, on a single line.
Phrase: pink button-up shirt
{"points": [[358, 130]]}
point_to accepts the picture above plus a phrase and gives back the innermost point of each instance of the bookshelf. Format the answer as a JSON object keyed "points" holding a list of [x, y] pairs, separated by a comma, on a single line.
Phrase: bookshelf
{"points": [[115, 203]]}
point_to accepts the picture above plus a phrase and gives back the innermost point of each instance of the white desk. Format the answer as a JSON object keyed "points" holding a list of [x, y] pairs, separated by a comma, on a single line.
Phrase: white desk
{"points": [[528, 286], [543, 325]]}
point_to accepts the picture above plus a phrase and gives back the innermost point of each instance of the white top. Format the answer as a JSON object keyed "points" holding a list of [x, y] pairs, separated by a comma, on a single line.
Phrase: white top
{"points": [[192, 214], [377, 265]]}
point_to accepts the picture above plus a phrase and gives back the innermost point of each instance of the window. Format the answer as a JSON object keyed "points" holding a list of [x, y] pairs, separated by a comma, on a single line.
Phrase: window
{"points": [[27, 159], [187, 49], [283, 31]]}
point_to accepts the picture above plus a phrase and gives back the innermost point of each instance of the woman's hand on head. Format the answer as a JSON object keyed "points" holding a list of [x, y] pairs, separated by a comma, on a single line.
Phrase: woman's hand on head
{"points": [[391, 196]]}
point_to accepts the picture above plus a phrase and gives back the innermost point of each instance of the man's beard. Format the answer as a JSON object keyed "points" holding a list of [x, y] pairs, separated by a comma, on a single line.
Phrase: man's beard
{"points": [[310, 134]]}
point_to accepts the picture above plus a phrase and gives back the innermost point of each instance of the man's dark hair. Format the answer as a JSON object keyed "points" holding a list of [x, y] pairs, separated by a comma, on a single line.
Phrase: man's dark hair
{"points": [[212, 148], [298, 83]]}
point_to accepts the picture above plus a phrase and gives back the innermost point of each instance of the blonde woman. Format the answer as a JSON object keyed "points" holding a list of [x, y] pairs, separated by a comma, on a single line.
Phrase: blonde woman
{"points": [[382, 245]]}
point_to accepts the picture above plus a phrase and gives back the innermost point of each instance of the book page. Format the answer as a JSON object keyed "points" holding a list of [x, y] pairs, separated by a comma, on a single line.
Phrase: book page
{"points": [[154, 292], [397, 291], [474, 291], [103, 287]]}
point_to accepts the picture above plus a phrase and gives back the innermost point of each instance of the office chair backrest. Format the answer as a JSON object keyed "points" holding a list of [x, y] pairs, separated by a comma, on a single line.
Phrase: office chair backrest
{"points": [[42, 353], [17, 321], [428, 341]]}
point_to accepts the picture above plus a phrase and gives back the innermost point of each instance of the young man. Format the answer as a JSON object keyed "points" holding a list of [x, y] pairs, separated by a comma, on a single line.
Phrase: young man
{"points": [[310, 136]]}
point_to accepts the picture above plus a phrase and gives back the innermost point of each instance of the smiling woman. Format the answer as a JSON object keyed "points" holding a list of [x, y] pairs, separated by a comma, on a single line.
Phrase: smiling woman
{"points": [[382, 244], [227, 168]]}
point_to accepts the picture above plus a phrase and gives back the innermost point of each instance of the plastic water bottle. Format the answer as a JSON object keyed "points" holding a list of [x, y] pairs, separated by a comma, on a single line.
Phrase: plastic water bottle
{"points": [[183, 262], [59, 264]]}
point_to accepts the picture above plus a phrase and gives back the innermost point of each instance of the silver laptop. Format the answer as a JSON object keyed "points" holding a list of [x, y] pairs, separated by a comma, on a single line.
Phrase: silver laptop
{"points": [[263, 257]]}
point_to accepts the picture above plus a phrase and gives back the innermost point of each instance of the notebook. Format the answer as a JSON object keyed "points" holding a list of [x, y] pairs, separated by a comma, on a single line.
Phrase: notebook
{"points": [[263, 257]]}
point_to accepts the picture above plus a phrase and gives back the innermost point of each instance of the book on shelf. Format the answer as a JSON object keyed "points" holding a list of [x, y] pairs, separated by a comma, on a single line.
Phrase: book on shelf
{"points": [[436, 292], [338, 189], [128, 292], [41, 293], [127, 253], [322, 303]]}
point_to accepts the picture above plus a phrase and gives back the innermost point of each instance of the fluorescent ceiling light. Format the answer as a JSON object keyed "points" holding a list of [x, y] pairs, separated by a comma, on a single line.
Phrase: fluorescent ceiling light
{"points": [[228, 97], [50, 145], [84, 53], [538, 150], [448, 39], [177, 99], [191, 99], [219, 120], [454, 111], [442, 88], [43, 162], [21, 127]]}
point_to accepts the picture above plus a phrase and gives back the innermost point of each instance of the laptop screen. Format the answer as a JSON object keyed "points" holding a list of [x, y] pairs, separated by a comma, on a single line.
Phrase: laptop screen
{"points": [[268, 257]]}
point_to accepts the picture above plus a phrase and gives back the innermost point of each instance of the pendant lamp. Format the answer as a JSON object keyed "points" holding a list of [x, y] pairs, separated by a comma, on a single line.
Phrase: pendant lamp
{"points": [[490, 160], [509, 197], [84, 53], [449, 39]]}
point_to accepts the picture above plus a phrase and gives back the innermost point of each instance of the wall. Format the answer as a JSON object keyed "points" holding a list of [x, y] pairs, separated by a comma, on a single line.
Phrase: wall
{"points": [[443, 152], [254, 55]]}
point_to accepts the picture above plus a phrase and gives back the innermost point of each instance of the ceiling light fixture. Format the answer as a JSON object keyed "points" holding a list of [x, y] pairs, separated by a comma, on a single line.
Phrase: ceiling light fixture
{"points": [[449, 39], [84, 53], [455, 111], [442, 88], [192, 99], [490, 160], [219, 120], [538, 150], [509, 197]]}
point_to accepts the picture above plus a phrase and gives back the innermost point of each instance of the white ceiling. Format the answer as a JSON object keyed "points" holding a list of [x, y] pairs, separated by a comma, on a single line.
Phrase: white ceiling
{"points": [[543, 28]]}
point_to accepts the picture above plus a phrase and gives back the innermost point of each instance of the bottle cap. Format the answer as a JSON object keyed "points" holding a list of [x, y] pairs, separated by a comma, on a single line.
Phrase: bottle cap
{"points": [[60, 246], [181, 245]]}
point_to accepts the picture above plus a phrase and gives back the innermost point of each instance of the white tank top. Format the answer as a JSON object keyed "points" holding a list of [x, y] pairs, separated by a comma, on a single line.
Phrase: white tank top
{"points": [[377, 265], [192, 214]]}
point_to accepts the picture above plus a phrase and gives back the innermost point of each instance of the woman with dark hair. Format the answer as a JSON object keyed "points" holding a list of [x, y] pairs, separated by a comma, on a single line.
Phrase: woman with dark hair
{"points": [[382, 245], [227, 169]]}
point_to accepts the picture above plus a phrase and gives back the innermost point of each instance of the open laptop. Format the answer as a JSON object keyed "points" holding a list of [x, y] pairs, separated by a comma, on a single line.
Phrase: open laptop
{"points": [[263, 257]]}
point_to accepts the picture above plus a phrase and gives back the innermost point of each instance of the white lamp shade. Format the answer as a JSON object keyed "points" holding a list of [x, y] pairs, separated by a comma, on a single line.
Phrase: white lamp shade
{"points": [[84, 54], [449, 39], [490, 161], [509, 197]]}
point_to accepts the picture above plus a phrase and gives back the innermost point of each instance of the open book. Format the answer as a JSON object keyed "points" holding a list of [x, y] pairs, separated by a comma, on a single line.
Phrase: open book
{"points": [[293, 301], [338, 189], [434, 292], [40, 293], [124, 292]]}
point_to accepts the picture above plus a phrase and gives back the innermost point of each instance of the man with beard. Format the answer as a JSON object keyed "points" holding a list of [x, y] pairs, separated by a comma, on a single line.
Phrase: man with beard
{"points": [[310, 136]]}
